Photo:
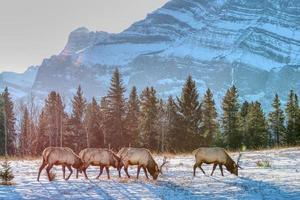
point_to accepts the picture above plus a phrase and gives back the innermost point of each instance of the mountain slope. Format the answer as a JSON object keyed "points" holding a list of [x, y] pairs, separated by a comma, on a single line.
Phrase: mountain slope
{"points": [[253, 44], [19, 84]]}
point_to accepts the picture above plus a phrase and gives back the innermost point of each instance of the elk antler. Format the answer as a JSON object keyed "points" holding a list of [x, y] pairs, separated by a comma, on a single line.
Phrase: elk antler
{"points": [[164, 162], [238, 160]]}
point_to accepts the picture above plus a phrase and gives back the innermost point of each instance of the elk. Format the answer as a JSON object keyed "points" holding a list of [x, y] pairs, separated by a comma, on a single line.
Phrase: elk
{"points": [[143, 159], [216, 156], [100, 157], [63, 156]]}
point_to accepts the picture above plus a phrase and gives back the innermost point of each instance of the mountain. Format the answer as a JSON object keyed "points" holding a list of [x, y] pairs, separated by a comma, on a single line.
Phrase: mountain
{"points": [[19, 84], [252, 44]]}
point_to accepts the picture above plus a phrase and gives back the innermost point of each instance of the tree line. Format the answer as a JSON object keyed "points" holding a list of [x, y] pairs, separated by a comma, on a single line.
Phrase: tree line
{"points": [[179, 124]]}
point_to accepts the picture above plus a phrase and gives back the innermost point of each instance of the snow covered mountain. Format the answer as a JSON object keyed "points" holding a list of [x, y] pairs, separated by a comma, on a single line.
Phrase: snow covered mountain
{"points": [[19, 84], [253, 44]]}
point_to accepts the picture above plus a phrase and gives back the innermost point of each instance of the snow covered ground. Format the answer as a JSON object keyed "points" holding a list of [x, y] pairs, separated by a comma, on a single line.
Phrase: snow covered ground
{"points": [[280, 181]]}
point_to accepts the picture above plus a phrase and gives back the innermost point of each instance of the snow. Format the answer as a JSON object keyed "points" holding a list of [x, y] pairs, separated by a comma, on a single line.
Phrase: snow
{"points": [[117, 54], [281, 181]]}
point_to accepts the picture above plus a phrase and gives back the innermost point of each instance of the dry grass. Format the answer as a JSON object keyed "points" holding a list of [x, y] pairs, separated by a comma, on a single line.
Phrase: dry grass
{"points": [[17, 158], [7, 183], [263, 163]]}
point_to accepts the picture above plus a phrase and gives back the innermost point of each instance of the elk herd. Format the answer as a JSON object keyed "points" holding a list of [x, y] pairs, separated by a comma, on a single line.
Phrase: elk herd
{"points": [[141, 157]]}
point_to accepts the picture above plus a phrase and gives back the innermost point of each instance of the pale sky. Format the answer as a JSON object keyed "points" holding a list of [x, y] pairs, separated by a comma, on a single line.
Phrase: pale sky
{"points": [[31, 30]]}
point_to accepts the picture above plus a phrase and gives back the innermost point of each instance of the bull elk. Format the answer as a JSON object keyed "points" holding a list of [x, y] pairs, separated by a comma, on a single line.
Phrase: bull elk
{"points": [[100, 157], [143, 159], [60, 156], [216, 156]]}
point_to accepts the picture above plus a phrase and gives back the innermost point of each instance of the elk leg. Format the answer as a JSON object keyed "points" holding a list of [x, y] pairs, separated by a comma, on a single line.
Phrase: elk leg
{"points": [[48, 168], [64, 171], [214, 168], [126, 170], [145, 171], [107, 171], [40, 170], [195, 167], [84, 172], [201, 168], [77, 173], [138, 171], [221, 168], [71, 171], [101, 170], [119, 170]]}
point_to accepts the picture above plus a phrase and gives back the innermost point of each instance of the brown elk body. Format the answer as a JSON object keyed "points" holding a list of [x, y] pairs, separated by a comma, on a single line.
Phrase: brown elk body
{"points": [[100, 157], [142, 158], [216, 156], [60, 156]]}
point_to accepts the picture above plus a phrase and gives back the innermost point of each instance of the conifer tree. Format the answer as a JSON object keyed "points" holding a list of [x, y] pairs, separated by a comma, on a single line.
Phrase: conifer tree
{"points": [[161, 125], [230, 119], [173, 135], [257, 131], [55, 117], [291, 118], [209, 118], [276, 122], [243, 119], [116, 111], [189, 108], [148, 136], [25, 134], [79, 141], [42, 137], [132, 118], [105, 123], [2, 128], [6, 173], [92, 123], [10, 123]]}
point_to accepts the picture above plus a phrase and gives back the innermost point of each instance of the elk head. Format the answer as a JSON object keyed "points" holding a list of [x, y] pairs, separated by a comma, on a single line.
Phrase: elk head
{"points": [[158, 170]]}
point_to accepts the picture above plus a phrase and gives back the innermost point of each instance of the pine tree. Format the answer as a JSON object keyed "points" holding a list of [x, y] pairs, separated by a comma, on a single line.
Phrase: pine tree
{"points": [[189, 108], [276, 122], [2, 128], [209, 118], [291, 118], [105, 123], [25, 134], [161, 125], [257, 133], [92, 122], [42, 137], [79, 141], [230, 119], [148, 136], [132, 118], [55, 119], [6, 173], [10, 123], [243, 120], [116, 112], [173, 133]]}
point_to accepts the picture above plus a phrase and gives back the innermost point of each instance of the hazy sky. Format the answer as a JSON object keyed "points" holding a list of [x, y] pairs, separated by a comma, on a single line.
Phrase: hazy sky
{"points": [[31, 30]]}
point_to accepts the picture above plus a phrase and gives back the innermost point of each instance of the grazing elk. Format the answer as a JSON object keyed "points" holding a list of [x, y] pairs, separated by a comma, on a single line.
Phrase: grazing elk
{"points": [[63, 156], [216, 156], [100, 157], [143, 159]]}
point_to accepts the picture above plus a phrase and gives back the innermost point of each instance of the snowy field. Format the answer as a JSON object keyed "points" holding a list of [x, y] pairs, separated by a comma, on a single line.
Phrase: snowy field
{"points": [[280, 181]]}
